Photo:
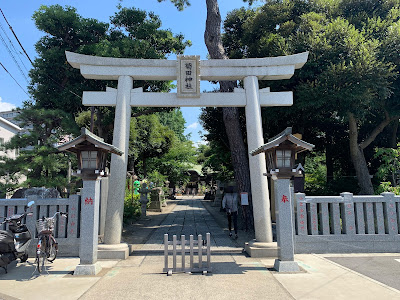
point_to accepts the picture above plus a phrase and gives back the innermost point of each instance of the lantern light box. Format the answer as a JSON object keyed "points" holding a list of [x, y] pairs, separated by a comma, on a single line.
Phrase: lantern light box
{"points": [[280, 153], [91, 152]]}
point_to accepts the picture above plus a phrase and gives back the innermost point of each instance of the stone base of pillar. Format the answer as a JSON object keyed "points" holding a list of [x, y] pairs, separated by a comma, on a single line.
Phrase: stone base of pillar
{"points": [[92, 269], [259, 249], [117, 251], [286, 266]]}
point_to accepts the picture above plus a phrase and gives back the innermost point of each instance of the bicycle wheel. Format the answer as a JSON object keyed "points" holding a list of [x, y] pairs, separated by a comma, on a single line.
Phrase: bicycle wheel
{"points": [[52, 249], [41, 255]]}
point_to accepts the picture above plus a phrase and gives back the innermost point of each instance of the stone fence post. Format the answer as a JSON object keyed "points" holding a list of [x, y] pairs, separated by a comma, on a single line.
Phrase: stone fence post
{"points": [[390, 213], [89, 228], [284, 227]]}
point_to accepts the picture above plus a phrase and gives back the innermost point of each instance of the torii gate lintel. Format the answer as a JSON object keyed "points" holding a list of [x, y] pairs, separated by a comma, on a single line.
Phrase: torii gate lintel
{"points": [[138, 98]]}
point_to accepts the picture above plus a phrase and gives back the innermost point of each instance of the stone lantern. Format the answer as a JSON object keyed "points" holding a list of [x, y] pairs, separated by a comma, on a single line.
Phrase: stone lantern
{"points": [[280, 152], [91, 151]]}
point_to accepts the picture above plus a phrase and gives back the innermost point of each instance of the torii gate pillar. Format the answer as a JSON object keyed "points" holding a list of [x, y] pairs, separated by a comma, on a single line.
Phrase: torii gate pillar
{"points": [[249, 70], [259, 184], [118, 167]]}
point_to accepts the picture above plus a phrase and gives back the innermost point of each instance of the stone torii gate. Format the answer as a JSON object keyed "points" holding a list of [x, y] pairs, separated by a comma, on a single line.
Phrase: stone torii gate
{"points": [[188, 71]]}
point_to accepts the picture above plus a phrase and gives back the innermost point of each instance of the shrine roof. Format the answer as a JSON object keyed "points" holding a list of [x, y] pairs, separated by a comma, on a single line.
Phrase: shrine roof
{"points": [[90, 137], [285, 135]]}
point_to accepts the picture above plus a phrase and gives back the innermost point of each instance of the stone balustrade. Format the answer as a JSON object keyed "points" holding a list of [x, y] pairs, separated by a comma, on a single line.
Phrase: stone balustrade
{"points": [[347, 223]]}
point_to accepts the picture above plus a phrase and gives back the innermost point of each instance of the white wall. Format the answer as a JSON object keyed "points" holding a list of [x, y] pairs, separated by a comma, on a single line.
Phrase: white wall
{"points": [[7, 131]]}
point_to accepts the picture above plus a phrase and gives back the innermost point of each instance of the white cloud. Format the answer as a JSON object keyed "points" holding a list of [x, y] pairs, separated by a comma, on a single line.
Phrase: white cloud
{"points": [[193, 125], [5, 106], [198, 143]]}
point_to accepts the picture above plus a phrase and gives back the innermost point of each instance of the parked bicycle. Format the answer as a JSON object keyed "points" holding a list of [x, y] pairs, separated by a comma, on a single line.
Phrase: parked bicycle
{"points": [[47, 246]]}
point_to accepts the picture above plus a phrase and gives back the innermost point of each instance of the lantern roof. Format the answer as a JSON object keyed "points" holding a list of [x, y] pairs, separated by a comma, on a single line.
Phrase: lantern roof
{"points": [[88, 137], [285, 135]]}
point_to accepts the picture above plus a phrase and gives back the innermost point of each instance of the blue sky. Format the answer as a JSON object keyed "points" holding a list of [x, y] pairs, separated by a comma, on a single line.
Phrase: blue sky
{"points": [[190, 22]]}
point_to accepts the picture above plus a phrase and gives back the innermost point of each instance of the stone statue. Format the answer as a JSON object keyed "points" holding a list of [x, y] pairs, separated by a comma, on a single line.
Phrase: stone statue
{"points": [[143, 198]]}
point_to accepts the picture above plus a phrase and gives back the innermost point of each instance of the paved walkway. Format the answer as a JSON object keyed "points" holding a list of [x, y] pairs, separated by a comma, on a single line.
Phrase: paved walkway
{"points": [[234, 276], [191, 217]]}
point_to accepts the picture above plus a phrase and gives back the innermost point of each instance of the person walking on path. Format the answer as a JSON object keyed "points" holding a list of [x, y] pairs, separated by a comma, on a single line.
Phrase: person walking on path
{"points": [[230, 204]]}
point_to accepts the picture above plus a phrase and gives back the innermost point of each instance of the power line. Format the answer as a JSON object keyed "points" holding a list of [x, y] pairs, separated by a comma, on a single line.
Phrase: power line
{"points": [[29, 58], [13, 47], [13, 57], [14, 79], [63, 87], [15, 36]]}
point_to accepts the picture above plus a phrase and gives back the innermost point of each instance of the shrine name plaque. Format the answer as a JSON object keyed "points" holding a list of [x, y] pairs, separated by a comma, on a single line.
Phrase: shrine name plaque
{"points": [[188, 79]]}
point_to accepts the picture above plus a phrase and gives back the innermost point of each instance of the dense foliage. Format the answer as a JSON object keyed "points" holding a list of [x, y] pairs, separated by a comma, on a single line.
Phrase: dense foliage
{"points": [[345, 97], [38, 161], [56, 89]]}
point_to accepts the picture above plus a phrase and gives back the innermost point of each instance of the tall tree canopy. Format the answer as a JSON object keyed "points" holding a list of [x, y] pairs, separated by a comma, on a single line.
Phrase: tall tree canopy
{"points": [[131, 33], [349, 84], [56, 87]]}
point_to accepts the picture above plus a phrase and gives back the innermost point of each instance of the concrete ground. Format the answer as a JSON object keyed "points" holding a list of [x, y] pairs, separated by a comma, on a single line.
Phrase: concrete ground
{"points": [[234, 275]]}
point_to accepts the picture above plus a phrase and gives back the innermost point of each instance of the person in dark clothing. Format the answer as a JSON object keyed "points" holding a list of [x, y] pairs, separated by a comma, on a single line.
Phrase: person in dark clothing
{"points": [[230, 204]]}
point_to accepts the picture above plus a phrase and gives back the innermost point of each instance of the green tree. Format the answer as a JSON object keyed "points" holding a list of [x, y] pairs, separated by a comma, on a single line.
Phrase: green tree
{"points": [[390, 165], [57, 88], [348, 80], [217, 160], [175, 121], [354, 85], [55, 84], [38, 160], [217, 156], [148, 138], [132, 33], [174, 164]]}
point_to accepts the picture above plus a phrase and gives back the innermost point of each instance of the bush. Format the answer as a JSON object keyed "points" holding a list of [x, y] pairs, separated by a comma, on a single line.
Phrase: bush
{"points": [[316, 183], [132, 208], [315, 175], [387, 187]]}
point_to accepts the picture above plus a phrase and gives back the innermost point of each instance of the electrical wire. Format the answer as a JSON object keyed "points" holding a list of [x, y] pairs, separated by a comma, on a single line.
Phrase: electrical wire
{"points": [[14, 79], [13, 47], [12, 56], [12, 30], [29, 57]]}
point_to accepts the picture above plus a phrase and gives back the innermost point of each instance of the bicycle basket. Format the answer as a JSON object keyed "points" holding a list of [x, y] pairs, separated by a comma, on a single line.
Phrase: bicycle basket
{"points": [[45, 225]]}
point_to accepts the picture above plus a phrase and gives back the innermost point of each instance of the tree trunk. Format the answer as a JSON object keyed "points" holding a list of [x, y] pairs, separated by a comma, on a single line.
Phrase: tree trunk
{"points": [[144, 166], [393, 138], [98, 124], [238, 149], [212, 38], [329, 161], [358, 159]]}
